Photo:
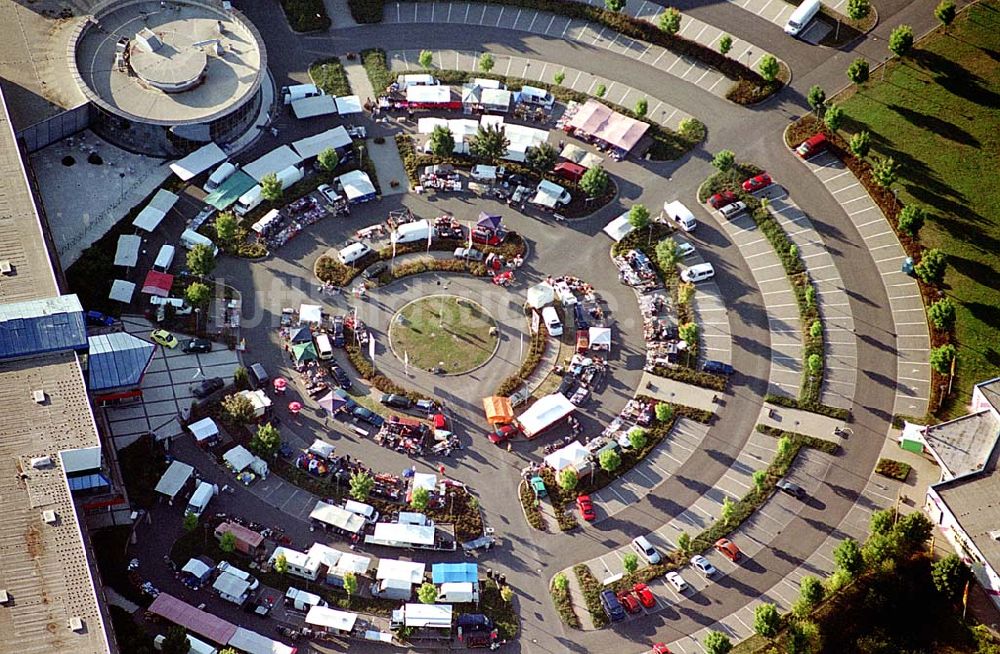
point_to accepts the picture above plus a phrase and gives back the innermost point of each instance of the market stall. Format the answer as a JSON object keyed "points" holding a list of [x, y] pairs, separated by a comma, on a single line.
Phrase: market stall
{"points": [[498, 410], [544, 413]]}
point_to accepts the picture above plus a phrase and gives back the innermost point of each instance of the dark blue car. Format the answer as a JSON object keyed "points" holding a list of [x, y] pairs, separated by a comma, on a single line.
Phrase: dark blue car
{"points": [[611, 605], [718, 368]]}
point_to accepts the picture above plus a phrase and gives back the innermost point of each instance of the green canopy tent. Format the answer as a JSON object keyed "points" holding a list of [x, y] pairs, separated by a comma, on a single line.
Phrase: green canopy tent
{"points": [[304, 352]]}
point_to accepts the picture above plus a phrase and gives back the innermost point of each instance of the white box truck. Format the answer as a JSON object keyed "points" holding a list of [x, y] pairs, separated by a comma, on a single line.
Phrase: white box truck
{"points": [[680, 215], [300, 600], [220, 175], [414, 232], [164, 258], [298, 91], [458, 592], [200, 498], [395, 589], [248, 201], [191, 238]]}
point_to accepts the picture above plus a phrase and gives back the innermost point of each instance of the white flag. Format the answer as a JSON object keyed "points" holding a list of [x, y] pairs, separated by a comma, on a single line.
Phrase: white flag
{"points": [[470, 234], [394, 245], [371, 347], [430, 232], [406, 363]]}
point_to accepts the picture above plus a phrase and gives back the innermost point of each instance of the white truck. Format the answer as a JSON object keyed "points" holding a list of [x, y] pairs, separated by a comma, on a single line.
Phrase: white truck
{"points": [[201, 497], [300, 600]]}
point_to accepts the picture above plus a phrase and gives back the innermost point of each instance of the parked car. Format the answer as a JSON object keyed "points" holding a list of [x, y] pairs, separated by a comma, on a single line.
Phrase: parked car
{"points": [[645, 595], [660, 648], [197, 345], [757, 183], [338, 331], [502, 434], [791, 488], [703, 565], [586, 508], [698, 272], [164, 338], [258, 375], [367, 415], [328, 193], [683, 248], [340, 376], [98, 319], [612, 607], [718, 368], [375, 271], [720, 200], [728, 549], [734, 209], [812, 146], [677, 581], [487, 236], [470, 254], [629, 601], [396, 401], [207, 387]]}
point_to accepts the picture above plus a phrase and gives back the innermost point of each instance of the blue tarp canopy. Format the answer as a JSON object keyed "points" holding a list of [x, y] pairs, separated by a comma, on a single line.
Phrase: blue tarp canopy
{"points": [[230, 190], [39, 326], [488, 221], [443, 573], [88, 482], [117, 360]]}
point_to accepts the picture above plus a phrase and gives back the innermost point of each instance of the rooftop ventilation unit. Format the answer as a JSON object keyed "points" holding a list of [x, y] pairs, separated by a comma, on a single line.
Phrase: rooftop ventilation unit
{"points": [[148, 40], [41, 462], [38, 396], [76, 624], [49, 517]]}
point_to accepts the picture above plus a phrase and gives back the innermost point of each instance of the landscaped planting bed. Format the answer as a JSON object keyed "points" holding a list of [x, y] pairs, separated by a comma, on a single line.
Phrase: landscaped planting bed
{"points": [[591, 588], [537, 343], [306, 15], [564, 603], [329, 75], [893, 469], [530, 505], [562, 501]]}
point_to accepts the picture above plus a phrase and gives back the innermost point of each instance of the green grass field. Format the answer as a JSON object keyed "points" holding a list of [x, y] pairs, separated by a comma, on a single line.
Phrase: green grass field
{"points": [[460, 338], [937, 113]]}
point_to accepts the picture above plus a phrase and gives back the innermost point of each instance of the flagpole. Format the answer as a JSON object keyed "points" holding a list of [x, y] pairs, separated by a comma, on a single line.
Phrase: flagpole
{"points": [[520, 356]]}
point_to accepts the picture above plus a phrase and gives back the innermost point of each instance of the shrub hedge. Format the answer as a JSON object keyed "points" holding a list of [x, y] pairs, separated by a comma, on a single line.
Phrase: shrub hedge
{"points": [[560, 499], [591, 589], [366, 11], [306, 15], [528, 503], [893, 469], [329, 75]]}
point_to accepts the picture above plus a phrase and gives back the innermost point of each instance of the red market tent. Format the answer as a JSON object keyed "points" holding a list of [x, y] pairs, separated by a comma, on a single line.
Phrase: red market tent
{"points": [[195, 620], [602, 123], [569, 170], [158, 283]]}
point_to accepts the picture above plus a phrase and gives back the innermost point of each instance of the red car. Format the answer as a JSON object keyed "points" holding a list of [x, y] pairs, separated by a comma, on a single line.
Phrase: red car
{"points": [[488, 236], [728, 549], [629, 602], [586, 507], [755, 184], [722, 199], [502, 434], [660, 648], [645, 595]]}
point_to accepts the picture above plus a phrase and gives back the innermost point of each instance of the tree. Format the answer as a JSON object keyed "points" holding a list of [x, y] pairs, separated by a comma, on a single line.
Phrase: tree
{"points": [[717, 642], [637, 438], [941, 358], [884, 171], [600, 90], [638, 216], [759, 477], [803, 636], [816, 329], [728, 510], [664, 412], [667, 253], [270, 187], [176, 641], [901, 40], [689, 332], [351, 585], [945, 12], [784, 446], [641, 107], [560, 582], [766, 620], [266, 441], [490, 142], [281, 564], [847, 556], [858, 71], [684, 542], [238, 409], [420, 498], [811, 295], [858, 9], [427, 593], [949, 576], [425, 59], [541, 157], [724, 160], [769, 67], [692, 129], [911, 219], [201, 260], [228, 650], [507, 594], [881, 522], [834, 117], [595, 181], [878, 549], [630, 561], [198, 295], [816, 98], [811, 592], [361, 484], [486, 62], [328, 160], [942, 314], [670, 21], [610, 460], [614, 5], [568, 479], [861, 143], [227, 543], [913, 530], [815, 363], [241, 378], [559, 77], [225, 227], [190, 521], [442, 141], [931, 267], [725, 44]]}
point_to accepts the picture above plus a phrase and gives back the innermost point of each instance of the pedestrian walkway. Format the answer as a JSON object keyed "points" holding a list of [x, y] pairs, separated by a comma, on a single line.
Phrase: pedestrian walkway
{"points": [[670, 390], [579, 604], [340, 14], [385, 156]]}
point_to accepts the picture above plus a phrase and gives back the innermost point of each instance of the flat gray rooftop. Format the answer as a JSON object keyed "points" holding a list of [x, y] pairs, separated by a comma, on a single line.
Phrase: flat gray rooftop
{"points": [[975, 502], [964, 444]]}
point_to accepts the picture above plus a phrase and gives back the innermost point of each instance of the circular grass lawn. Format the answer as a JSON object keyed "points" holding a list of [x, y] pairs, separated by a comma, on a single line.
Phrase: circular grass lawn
{"points": [[443, 330]]}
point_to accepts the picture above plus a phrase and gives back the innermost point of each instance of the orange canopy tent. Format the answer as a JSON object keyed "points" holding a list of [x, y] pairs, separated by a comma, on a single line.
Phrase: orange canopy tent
{"points": [[498, 410]]}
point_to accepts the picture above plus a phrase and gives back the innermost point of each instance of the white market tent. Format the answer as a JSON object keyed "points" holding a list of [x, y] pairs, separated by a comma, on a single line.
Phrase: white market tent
{"points": [[259, 399], [337, 517], [311, 146], [230, 584], [540, 294], [521, 139], [238, 458], [317, 105], [428, 94], [397, 533], [600, 337], [198, 161], [409, 571], [310, 313], [491, 121], [463, 128], [153, 213], [204, 429], [357, 185], [544, 413], [618, 228], [253, 643], [349, 104], [174, 478], [321, 448], [122, 291], [548, 194], [196, 567], [496, 99], [325, 554], [128, 250], [354, 563], [414, 79], [274, 161], [568, 456], [424, 480], [576, 154], [321, 616], [427, 125]]}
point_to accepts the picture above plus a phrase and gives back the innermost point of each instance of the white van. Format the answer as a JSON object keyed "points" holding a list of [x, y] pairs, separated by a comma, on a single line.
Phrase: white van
{"points": [[458, 592], [536, 96], [248, 201], [298, 91], [646, 550], [413, 518], [324, 349], [226, 566], [366, 511], [201, 497], [195, 646], [219, 175], [414, 232], [191, 238], [678, 213], [352, 253], [416, 79], [301, 600], [804, 13], [552, 322], [164, 258], [698, 272]]}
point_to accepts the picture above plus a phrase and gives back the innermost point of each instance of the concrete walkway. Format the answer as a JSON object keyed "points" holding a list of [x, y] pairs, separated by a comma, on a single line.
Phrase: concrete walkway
{"points": [[388, 165], [579, 605], [670, 390], [340, 14]]}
